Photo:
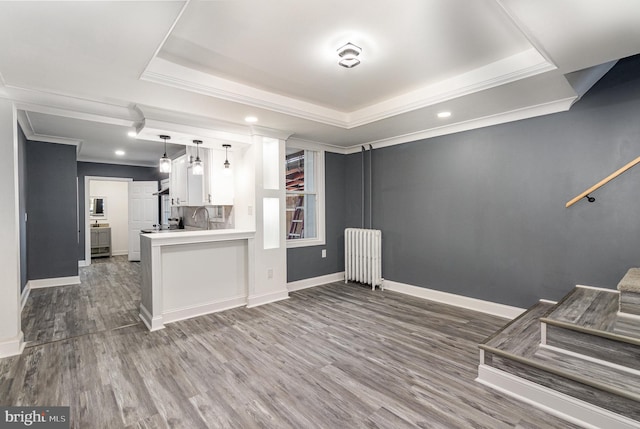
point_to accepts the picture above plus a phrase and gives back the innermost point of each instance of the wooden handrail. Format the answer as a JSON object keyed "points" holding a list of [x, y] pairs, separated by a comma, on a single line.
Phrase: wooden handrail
{"points": [[603, 182]]}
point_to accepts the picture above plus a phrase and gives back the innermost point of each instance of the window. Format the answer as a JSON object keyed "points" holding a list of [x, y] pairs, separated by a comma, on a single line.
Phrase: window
{"points": [[305, 197]]}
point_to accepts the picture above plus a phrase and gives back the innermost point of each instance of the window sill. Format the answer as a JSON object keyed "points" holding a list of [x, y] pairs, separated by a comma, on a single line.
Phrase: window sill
{"points": [[305, 242]]}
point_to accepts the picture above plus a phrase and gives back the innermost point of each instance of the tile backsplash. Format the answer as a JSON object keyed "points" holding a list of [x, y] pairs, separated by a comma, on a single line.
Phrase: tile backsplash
{"points": [[221, 217]]}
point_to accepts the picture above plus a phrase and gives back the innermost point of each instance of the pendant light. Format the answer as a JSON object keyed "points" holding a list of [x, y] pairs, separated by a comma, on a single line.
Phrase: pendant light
{"points": [[165, 161], [227, 165], [198, 165]]}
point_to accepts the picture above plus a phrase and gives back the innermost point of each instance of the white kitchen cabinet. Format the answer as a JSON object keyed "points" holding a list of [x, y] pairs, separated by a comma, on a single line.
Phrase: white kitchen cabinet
{"points": [[186, 188], [220, 183], [178, 178]]}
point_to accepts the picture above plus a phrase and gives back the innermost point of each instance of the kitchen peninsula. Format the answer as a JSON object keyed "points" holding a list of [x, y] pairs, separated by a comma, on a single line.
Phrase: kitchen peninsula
{"points": [[192, 273]]}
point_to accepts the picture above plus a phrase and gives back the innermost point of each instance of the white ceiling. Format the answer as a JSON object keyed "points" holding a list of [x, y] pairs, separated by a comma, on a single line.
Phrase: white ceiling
{"points": [[91, 71]]}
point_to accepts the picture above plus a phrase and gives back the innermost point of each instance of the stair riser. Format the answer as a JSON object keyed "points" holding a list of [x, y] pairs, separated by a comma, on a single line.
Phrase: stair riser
{"points": [[606, 400], [630, 303], [626, 355]]}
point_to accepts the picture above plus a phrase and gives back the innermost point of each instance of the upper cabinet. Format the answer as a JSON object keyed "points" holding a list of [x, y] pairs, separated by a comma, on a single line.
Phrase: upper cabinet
{"points": [[178, 179], [214, 187]]}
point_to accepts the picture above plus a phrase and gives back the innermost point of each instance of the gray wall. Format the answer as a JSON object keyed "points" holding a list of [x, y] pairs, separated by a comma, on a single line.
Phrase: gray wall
{"points": [[22, 205], [108, 170], [482, 213], [307, 262], [51, 207]]}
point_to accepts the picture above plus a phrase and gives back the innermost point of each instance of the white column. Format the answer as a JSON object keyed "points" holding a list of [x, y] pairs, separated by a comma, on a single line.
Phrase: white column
{"points": [[11, 338], [268, 272]]}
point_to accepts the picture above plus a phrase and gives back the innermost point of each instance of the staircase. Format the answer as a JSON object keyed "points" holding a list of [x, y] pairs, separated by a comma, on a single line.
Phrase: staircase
{"points": [[578, 359]]}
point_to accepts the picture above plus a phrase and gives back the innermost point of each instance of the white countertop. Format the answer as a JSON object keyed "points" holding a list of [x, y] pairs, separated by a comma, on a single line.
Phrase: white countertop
{"points": [[174, 237]]}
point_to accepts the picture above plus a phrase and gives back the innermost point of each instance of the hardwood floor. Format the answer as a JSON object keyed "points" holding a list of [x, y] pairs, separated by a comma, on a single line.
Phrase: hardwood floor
{"points": [[334, 356]]}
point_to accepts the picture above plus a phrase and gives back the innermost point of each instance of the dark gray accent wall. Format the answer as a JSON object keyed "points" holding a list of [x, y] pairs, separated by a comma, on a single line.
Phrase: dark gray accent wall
{"points": [[51, 207], [482, 213], [307, 262], [108, 170], [22, 205]]}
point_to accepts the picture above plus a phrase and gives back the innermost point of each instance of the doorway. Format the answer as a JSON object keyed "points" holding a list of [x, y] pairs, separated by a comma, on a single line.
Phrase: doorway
{"points": [[112, 196]]}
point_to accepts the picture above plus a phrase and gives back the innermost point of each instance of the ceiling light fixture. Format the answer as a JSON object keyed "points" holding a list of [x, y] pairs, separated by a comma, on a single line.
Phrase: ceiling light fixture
{"points": [[119, 152], [227, 165], [132, 134], [165, 162], [349, 55], [198, 165], [444, 114], [251, 119]]}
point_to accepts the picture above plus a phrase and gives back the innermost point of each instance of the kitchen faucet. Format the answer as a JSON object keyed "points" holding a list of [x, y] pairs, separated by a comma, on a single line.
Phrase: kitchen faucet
{"points": [[206, 212]]}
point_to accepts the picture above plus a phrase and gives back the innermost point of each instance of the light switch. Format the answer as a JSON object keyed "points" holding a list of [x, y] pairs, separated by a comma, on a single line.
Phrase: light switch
{"points": [[324, 253]]}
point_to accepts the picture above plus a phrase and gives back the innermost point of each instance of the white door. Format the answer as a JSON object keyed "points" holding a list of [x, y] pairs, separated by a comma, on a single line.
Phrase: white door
{"points": [[143, 213]]}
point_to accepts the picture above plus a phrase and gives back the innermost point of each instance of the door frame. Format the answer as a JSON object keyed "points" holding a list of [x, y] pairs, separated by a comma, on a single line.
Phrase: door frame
{"points": [[87, 221]]}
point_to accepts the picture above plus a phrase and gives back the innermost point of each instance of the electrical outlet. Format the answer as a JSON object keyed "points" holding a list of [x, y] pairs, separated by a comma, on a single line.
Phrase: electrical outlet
{"points": [[270, 273], [324, 253]]}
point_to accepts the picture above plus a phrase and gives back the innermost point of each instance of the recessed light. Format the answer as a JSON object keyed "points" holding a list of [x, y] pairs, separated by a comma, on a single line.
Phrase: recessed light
{"points": [[444, 114], [119, 152], [132, 134], [251, 119]]}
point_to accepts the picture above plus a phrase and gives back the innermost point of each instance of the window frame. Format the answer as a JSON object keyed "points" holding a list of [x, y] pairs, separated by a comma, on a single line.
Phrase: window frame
{"points": [[320, 239]]}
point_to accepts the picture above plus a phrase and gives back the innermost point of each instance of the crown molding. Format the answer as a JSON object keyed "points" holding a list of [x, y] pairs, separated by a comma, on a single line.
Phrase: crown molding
{"points": [[555, 106], [167, 73], [27, 129], [72, 107], [257, 130], [519, 66], [516, 67], [314, 145]]}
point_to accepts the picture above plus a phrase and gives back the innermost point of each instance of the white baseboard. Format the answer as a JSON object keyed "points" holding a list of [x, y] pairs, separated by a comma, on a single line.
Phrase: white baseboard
{"points": [[315, 281], [488, 307], [12, 347], [24, 296], [202, 309], [56, 281], [151, 323], [82, 263], [553, 402], [256, 300], [119, 252]]}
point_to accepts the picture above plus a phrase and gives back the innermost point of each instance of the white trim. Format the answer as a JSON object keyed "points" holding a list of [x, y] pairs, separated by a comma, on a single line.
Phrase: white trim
{"points": [[488, 307], [599, 288], [548, 301], [153, 324], [320, 193], [629, 315], [53, 282], [25, 296], [592, 359], [257, 300], [82, 263], [556, 106], [555, 403], [315, 281], [12, 347], [119, 252], [169, 316]]}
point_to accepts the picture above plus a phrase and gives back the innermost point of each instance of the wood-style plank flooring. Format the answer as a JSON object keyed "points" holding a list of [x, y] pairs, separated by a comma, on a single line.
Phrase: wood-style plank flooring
{"points": [[333, 356]]}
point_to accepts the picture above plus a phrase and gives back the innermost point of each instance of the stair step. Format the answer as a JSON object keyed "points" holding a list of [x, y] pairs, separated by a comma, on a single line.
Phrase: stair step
{"points": [[592, 346], [516, 349], [587, 322], [595, 312]]}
